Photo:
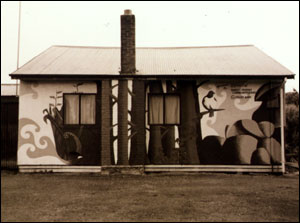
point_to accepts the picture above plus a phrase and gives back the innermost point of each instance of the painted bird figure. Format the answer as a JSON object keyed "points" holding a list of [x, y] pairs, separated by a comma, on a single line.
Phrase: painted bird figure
{"points": [[209, 102]]}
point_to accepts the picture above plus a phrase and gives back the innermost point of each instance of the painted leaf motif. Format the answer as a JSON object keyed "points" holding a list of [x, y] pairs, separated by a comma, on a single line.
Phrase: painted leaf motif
{"points": [[226, 130], [244, 127], [267, 128], [252, 127], [273, 147], [238, 149], [260, 157], [235, 130]]}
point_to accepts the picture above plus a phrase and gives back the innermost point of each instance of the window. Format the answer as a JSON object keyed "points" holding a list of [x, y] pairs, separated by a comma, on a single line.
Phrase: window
{"points": [[88, 109], [156, 103], [172, 108], [79, 109], [164, 109]]}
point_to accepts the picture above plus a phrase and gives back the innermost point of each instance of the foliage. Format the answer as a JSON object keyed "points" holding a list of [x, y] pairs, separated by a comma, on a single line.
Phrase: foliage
{"points": [[292, 98], [292, 125]]}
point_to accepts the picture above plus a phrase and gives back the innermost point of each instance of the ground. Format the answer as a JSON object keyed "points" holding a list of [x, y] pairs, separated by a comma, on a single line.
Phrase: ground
{"points": [[154, 197]]}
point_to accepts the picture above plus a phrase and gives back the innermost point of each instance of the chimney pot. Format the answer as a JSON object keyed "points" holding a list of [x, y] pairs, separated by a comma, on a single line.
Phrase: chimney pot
{"points": [[127, 12]]}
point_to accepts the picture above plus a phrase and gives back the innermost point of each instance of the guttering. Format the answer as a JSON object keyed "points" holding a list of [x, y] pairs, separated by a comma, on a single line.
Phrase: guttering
{"points": [[141, 76]]}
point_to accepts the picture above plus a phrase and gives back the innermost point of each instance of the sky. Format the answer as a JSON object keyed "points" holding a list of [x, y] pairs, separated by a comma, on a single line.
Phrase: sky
{"points": [[272, 27]]}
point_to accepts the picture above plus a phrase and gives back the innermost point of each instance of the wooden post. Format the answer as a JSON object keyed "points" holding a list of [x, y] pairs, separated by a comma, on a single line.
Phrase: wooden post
{"points": [[282, 125]]}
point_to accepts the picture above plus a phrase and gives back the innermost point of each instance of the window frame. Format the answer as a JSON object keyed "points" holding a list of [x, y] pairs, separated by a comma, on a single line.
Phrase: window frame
{"points": [[79, 112], [164, 108]]}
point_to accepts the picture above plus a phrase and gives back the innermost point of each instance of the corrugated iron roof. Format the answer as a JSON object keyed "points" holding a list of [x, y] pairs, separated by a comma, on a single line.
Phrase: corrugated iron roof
{"points": [[9, 89], [217, 60]]}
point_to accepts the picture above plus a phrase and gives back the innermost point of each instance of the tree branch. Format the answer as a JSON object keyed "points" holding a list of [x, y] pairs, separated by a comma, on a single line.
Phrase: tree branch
{"points": [[114, 138], [165, 132], [130, 92], [131, 124], [114, 86], [113, 126], [129, 137]]}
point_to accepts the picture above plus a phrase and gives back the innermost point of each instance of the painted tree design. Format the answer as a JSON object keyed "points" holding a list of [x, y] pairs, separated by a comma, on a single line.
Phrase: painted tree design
{"points": [[123, 123], [189, 130], [168, 133], [155, 153], [138, 155], [107, 156]]}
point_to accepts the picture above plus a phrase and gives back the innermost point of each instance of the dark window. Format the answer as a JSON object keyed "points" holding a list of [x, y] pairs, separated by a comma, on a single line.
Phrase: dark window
{"points": [[79, 109], [164, 109]]}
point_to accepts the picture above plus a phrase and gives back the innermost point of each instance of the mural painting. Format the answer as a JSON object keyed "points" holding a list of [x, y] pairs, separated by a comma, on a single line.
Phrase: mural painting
{"points": [[167, 122], [248, 130], [231, 123], [44, 138]]}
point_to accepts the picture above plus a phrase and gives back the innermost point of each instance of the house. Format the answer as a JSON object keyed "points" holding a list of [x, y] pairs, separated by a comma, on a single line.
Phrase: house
{"points": [[159, 109], [9, 125]]}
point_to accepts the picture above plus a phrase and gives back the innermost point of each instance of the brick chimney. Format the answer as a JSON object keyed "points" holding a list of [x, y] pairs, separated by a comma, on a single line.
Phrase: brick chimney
{"points": [[127, 67], [128, 43]]}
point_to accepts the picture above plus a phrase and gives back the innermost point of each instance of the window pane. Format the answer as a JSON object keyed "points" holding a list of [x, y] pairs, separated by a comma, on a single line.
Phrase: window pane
{"points": [[71, 110], [172, 112], [88, 109], [156, 109]]}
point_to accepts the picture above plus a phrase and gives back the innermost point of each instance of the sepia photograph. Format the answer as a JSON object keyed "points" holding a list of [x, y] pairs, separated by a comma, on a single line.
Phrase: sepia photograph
{"points": [[149, 111]]}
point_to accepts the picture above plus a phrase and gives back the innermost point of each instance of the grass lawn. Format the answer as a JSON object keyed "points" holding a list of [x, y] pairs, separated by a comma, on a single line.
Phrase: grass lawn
{"points": [[154, 197]]}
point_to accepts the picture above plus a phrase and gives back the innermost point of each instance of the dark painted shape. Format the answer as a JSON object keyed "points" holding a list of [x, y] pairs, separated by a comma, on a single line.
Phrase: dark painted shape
{"points": [[210, 150], [78, 144], [269, 110], [138, 155], [238, 149], [189, 128]]}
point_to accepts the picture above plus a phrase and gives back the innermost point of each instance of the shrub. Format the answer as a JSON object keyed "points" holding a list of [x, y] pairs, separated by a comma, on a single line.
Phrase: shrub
{"points": [[292, 98], [292, 125]]}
